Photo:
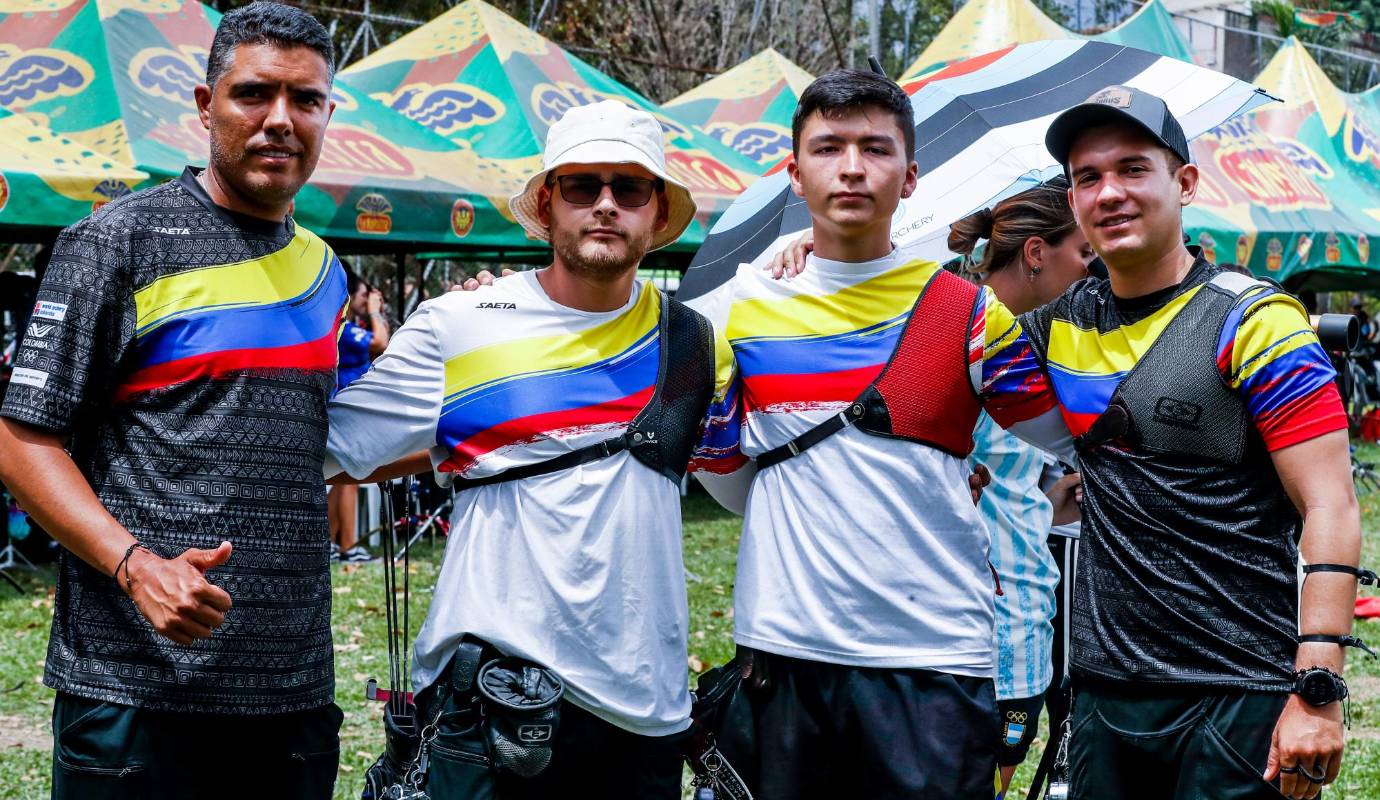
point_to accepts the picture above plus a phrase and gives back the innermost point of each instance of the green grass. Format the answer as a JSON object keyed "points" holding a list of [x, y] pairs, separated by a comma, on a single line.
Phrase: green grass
{"points": [[711, 546]]}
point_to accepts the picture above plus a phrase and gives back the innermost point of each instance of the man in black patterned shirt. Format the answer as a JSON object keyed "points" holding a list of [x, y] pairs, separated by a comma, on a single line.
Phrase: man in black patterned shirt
{"points": [[166, 422]]}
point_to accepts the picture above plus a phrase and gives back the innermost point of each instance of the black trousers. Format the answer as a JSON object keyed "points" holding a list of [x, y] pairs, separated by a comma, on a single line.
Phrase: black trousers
{"points": [[589, 758], [105, 751], [1147, 743], [817, 730]]}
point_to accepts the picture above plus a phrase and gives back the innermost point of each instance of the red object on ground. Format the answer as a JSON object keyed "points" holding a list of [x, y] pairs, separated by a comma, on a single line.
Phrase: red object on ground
{"points": [[1370, 425], [1368, 607]]}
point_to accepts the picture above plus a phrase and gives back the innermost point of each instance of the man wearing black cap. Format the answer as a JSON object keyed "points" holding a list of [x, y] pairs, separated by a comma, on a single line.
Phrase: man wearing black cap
{"points": [[1214, 451]]}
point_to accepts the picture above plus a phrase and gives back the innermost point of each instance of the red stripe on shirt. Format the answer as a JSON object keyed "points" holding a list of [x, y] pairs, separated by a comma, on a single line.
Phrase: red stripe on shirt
{"points": [[314, 355], [1307, 417], [765, 391], [528, 429]]}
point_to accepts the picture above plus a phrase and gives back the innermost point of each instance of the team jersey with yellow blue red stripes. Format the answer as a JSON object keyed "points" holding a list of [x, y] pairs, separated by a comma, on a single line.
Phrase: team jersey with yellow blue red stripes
{"points": [[1187, 567], [188, 353], [579, 569], [863, 550]]}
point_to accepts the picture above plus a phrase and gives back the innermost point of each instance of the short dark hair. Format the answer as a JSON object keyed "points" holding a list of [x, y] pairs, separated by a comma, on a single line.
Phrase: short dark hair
{"points": [[353, 281], [845, 91], [263, 22]]}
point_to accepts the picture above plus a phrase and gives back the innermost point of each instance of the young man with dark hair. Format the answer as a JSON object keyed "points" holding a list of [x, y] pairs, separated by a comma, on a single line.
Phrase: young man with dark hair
{"points": [[1214, 451], [168, 428], [863, 591]]}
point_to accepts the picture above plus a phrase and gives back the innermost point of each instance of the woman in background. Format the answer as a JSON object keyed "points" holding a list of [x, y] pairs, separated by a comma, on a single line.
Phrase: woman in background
{"points": [[1034, 252]]}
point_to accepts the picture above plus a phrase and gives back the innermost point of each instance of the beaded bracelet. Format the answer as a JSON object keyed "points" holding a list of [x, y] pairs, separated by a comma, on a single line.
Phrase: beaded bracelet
{"points": [[124, 562]]}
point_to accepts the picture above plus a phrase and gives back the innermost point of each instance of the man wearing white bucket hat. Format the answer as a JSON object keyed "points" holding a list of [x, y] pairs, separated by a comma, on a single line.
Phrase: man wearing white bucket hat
{"points": [[565, 404]]}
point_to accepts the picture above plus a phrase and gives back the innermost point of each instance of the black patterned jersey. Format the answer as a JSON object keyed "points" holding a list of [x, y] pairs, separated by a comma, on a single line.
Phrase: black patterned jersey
{"points": [[1186, 570], [188, 353]]}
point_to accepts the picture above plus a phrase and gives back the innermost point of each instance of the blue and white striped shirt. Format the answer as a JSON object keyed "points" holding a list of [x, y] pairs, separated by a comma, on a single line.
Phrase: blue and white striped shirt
{"points": [[1018, 516]]}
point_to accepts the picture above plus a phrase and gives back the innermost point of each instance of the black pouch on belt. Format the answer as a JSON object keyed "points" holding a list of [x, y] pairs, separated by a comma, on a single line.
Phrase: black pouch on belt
{"points": [[521, 703]]}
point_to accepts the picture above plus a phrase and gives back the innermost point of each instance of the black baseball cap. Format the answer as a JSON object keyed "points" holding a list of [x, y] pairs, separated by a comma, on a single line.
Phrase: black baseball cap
{"points": [[1117, 104]]}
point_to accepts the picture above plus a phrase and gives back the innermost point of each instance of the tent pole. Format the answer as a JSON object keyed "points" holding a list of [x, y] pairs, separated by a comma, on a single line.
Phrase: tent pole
{"points": [[400, 266]]}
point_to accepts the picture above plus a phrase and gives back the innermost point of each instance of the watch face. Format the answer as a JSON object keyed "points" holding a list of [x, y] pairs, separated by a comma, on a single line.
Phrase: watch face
{"points": [[1317, 688]]}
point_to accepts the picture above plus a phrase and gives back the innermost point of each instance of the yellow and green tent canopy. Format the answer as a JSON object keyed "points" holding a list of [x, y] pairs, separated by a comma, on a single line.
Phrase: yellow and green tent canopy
{"points": [[1307, 218], [117, 76], [47, 179], [482, 79], [748, 108], [984, 26]]}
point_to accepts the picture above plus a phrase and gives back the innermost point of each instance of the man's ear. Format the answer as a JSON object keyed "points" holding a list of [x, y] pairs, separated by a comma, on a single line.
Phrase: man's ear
{"points": [[202, 95], [1187, 179], [544, 205], [912, 176], [663, 211], [793, 170]]}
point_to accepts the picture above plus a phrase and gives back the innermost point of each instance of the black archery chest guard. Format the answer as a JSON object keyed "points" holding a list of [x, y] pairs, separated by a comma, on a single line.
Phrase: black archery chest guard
{"points": [[664, 433], [1175, 399]]}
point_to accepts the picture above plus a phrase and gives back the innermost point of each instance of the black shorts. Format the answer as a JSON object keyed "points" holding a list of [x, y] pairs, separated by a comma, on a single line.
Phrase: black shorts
{"points": [[1019, 720], [1134, 742], [817, 730], [105, 751]]}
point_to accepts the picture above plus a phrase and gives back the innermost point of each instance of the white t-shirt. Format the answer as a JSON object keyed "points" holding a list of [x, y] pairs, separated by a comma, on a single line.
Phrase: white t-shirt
{"points": [[862, 550], [578, 570]]}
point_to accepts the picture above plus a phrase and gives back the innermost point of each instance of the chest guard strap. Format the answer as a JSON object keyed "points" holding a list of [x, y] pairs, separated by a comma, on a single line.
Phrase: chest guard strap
{"points": [[1175, 399], [664, 432], [924, 393]]}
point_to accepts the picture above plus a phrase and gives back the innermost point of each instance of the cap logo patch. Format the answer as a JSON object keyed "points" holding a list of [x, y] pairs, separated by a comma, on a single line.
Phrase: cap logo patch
{"points": [[1117, 96]]}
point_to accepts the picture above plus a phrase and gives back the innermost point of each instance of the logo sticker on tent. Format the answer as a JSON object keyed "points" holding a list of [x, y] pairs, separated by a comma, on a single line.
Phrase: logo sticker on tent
{"points": [[1274, 255], [461, 217], [1363, 248], [1209, 246], [108, 190], [1333, 254], [375, 214], [4, 191], [32, 76]]}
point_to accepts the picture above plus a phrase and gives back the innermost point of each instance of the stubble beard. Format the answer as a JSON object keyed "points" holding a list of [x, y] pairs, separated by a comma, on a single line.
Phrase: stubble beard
{"points": [[597, 261]]}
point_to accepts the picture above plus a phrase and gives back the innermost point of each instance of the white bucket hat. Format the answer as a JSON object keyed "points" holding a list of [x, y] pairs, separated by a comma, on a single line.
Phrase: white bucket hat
{"points": [[608, 132]]}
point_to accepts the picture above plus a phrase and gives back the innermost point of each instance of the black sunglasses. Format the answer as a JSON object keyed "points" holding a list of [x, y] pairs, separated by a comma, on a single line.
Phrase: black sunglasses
{"points": [[584, 189]]}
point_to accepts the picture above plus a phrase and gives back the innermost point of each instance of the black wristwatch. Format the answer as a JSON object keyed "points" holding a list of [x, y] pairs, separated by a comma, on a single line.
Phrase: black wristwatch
{"points": [[1318, 686]]}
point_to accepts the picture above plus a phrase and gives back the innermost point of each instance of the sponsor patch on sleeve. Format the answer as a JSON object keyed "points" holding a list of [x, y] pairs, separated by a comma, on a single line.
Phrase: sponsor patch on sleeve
{"points": [[44, 309], [29, 377]]}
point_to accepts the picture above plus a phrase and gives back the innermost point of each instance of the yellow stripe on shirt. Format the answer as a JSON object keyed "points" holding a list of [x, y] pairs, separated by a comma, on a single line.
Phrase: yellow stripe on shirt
{"points": [[1086, 351], [545, 354], [293, 271], [886, 296]]}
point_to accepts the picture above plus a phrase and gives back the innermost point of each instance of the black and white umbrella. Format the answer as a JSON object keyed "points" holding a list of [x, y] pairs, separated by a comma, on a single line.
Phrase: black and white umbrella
{"points": [[979, 137]]}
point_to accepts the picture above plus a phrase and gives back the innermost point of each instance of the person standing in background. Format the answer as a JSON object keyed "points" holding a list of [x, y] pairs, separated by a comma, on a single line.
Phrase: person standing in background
{"points": [[363, 338], [1034, 252]]}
